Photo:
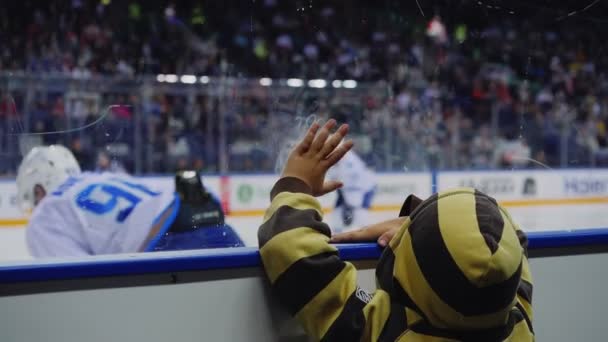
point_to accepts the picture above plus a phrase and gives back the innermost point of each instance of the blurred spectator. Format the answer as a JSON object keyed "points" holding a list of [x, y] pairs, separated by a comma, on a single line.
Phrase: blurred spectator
{"points": [[83, 155], [482, 149], [465, 87], [512, 153]]}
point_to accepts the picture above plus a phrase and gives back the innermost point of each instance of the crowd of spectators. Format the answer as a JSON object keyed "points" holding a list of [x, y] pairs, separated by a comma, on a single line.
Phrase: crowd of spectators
{"points": [[454, 85]]}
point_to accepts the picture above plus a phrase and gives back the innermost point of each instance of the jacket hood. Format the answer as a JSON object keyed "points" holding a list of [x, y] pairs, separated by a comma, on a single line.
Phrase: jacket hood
{"points": [[456, 262]]}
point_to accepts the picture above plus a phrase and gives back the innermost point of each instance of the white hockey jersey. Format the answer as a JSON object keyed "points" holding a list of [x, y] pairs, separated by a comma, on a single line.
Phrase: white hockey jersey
{"points": [[98, 213], [356, 194]]}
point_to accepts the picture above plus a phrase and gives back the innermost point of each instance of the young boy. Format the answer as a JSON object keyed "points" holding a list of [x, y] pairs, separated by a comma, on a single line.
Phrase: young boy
{"points": [[456, 268]]}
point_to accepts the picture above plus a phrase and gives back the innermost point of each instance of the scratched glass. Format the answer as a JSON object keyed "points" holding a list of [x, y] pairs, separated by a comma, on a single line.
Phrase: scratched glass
{"points": [[509, 97]]}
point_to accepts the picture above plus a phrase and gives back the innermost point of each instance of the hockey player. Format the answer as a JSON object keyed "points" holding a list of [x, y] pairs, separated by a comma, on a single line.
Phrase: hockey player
{"points": [[77, 214], [355, 197]]}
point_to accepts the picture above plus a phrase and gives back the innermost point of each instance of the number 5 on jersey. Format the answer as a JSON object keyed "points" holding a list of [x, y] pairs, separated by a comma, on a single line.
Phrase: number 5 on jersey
{"points": [[100, 198]]}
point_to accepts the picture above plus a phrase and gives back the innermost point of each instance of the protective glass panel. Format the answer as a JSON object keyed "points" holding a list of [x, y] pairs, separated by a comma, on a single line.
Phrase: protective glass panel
{"points": [[508, 97]]}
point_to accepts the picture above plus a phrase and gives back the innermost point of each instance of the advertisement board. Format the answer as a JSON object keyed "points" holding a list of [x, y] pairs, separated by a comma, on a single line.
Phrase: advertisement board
{"points": [[393, 188], [8, 201], [249, 195], [554, 185], [503, 185], [584, 183]]}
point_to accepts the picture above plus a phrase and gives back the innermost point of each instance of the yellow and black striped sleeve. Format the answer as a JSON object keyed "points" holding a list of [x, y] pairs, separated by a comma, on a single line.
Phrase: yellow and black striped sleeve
{"points": [[524, 291], [305, 271]]}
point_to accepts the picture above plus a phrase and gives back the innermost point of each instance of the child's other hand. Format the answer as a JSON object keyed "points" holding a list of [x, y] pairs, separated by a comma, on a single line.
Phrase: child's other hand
{"points": [[382, 232]]}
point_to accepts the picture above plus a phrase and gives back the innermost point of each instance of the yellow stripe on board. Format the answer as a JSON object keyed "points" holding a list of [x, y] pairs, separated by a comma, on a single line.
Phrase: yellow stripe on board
{"points": [[554, 201], [508, 203], [521, 203], [15, 223], [12, 223]]}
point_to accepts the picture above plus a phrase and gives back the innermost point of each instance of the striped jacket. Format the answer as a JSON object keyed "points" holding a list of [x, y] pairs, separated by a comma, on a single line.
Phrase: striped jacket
{"points": [[456, 271]]}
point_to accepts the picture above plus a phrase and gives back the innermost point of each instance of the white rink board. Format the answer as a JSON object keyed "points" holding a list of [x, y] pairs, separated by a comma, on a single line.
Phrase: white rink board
{"points": [[8, 200], [393, 188], [247, 196], [236, 305], [532, 184], [252, 193]]}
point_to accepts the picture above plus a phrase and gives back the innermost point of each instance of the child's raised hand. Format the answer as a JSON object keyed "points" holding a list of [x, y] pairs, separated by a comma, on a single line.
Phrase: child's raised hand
{"points": [[315, 154]]}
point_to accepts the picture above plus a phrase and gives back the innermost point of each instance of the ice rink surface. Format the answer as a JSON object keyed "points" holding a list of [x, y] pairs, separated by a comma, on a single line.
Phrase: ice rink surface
{"points": [[530, 218]]}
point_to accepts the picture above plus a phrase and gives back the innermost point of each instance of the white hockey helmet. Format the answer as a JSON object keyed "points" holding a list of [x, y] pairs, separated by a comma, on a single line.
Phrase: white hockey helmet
{"points": [[47, 166]]}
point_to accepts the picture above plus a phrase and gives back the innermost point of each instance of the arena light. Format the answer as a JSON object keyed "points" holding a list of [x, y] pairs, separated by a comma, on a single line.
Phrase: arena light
{"points": [[160, 78], [336, 84], [188, 79], [317, 83], [204, 79], [295, 82], [349, 84], [265, 81], [171, 78]]}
